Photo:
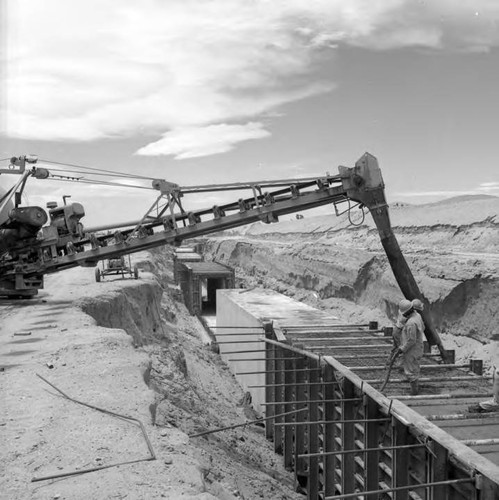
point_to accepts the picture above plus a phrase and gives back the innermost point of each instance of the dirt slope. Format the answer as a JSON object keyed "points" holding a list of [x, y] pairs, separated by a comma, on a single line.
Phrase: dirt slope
{"points": [[159, 372]]}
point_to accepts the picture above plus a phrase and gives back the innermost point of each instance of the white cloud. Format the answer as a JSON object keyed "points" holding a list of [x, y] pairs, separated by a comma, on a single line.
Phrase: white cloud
{"points": [[487, 187], [89, 69], [191, 142]]}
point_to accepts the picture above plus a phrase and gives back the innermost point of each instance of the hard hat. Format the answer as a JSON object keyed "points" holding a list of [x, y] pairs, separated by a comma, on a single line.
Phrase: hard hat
{"points": [[405, 305], [417, 304]]}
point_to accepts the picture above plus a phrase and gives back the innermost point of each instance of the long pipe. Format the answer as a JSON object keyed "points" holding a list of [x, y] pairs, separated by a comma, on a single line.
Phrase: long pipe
{"points": [[364, 184]]}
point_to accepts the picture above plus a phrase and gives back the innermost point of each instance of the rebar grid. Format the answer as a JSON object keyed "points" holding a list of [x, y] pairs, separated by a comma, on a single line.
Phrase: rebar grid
{"points": [[351, 441]]}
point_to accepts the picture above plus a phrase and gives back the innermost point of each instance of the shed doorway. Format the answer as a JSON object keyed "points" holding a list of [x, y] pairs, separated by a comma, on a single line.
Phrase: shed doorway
{"points": [[209, 287]]}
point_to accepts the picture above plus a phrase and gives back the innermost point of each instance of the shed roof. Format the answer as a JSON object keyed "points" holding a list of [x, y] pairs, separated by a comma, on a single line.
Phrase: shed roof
{"points": [[209, 268], [186, 256]]}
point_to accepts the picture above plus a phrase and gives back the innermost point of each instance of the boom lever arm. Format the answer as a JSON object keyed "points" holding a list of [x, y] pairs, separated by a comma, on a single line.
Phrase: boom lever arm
{"points": [[364, 184]]}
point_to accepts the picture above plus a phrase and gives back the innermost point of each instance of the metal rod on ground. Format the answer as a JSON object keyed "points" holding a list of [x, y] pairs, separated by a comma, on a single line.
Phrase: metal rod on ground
{"points": [[86, 471], [108, 412], [257, 421], [359, 494]]}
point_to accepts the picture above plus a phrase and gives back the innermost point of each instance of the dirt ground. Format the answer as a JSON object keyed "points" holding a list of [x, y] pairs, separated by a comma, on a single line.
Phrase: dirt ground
{"points": [[160, 374]]}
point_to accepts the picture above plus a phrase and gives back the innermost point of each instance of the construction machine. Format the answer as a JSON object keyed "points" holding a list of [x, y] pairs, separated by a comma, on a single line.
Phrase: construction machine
{"points": [[34, 243]]}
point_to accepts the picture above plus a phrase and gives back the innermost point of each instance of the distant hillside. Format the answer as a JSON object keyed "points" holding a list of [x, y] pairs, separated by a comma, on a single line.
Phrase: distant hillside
{"points": [[463, 198], [458, 211]]}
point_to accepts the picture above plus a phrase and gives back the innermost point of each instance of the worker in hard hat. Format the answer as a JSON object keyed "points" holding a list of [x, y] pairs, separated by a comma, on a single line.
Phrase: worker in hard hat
{"points": [[489, 405], [418, 305], [411, 343]]}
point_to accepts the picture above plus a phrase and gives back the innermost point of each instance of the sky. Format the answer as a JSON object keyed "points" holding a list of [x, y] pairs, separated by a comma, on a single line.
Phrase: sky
{"points": [[217, 91]]}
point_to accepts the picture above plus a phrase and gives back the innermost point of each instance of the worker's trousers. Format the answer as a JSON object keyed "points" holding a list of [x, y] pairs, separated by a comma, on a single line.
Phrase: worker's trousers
{"points": [[411, 362]]}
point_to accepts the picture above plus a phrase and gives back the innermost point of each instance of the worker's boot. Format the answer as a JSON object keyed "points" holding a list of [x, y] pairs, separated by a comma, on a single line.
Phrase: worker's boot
{"points": [[414, 388]]}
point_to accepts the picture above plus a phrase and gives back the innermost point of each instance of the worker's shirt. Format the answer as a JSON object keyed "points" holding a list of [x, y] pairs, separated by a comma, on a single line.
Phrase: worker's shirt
{"points": [[412, 334]]}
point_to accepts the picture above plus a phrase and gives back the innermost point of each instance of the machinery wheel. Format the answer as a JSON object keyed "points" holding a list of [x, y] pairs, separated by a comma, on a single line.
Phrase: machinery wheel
{"points": [[136, 272], [97, 275]]}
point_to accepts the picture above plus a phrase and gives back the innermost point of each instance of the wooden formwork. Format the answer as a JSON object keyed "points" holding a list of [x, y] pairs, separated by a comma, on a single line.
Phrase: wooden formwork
{"points": [[350, 441]]}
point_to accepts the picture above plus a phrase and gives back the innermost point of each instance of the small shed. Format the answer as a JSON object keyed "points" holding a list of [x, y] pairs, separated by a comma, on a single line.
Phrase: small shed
{"points": [[181, 256], [199, 282]]}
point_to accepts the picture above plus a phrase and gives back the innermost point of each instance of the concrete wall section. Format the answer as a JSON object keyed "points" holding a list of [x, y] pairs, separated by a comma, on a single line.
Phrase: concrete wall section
{"points": [[243, 313]]}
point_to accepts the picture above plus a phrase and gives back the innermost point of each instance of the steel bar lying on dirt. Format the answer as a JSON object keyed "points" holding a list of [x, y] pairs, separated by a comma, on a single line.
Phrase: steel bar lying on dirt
{"points": [[256, 421], [107, 412], [359, 494]]}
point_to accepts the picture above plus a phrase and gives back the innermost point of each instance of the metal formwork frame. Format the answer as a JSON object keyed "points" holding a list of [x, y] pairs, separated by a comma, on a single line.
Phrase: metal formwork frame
{"points": [[353, 442]]}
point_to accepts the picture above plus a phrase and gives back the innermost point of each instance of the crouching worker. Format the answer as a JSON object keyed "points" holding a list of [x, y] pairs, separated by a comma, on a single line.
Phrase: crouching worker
{"points": [[411, 344], [490, 405]]}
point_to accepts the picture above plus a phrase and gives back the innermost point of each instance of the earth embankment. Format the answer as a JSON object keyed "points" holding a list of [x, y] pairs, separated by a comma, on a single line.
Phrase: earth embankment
{"points": [[129, 347], [451, 248]]}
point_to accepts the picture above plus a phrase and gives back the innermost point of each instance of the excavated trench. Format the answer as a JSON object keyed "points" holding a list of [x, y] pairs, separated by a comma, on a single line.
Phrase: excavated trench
{"points": [[344, 270], [194, 389]]}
